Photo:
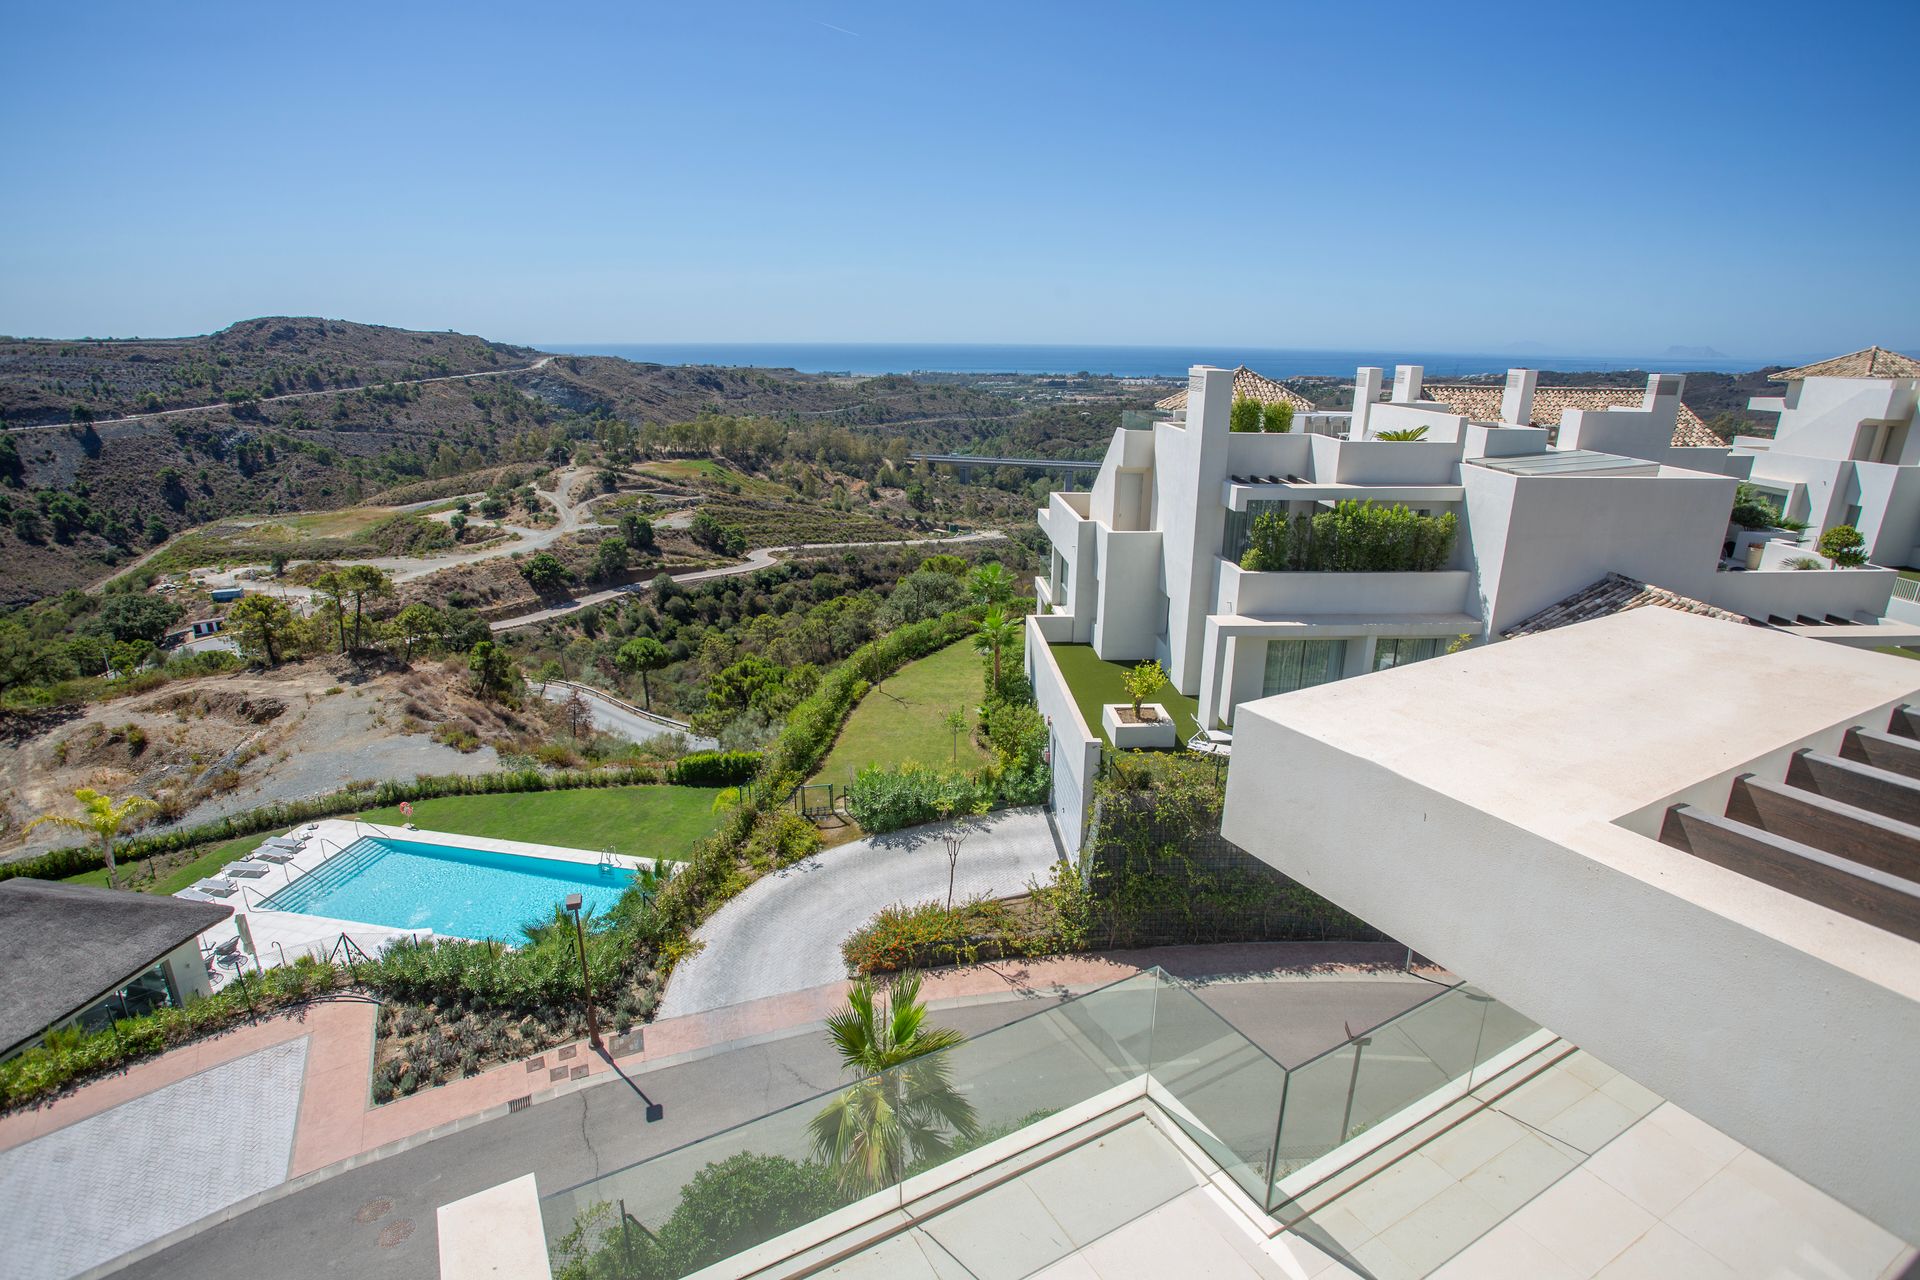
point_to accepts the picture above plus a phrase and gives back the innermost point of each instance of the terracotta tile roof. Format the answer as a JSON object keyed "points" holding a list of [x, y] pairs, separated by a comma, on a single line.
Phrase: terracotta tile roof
{"points": [[1613, 594], [1874, 362], [1481, 402], [1252, 385]]}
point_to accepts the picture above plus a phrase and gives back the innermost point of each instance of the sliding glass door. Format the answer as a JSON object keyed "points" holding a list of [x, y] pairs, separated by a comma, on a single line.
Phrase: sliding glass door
{"points": [[1301, 664]]}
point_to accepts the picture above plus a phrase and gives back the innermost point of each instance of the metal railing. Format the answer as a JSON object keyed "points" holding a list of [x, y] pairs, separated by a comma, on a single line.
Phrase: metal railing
{"points": [[1905, 588]]}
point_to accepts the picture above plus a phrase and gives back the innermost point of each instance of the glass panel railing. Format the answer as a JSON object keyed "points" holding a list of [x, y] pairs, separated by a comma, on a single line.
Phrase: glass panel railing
{"points": [[1377, 1078], [1223, 1090], [678, 1212]]}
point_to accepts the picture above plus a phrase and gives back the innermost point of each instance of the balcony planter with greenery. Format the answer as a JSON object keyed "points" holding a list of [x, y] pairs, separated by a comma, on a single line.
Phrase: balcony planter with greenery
{"points": [[1355, 537]]}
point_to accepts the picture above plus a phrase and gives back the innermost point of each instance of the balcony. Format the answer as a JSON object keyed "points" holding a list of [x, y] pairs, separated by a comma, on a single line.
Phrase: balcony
{"points": [[1134, 1094], [1095, 682], [1350, 595]]}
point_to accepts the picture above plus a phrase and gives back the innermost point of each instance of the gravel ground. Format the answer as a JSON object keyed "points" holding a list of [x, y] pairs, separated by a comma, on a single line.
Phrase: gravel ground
{"points": [[784, 932]]}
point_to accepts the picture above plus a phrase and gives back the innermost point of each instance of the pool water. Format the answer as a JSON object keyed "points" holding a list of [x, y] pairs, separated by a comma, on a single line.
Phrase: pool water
{"points": [[458, 893]]}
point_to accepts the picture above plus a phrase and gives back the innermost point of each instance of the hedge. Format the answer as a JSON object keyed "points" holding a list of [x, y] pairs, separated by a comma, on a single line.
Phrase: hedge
{"points": [[714, 769], [58, 864]]}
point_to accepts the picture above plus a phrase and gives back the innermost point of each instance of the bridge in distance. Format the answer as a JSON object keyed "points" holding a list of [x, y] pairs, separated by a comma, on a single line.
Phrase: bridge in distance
{"points": [[1030, 464]]}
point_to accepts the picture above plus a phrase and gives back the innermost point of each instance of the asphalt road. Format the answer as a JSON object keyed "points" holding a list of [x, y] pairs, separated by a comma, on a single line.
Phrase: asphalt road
{"points": [[336, 1229], [610, 715]]}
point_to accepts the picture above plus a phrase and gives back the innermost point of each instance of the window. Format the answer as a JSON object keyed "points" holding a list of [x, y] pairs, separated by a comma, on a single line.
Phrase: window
{"points": [[1398, 652], [1301, 664], [1239, 535]]}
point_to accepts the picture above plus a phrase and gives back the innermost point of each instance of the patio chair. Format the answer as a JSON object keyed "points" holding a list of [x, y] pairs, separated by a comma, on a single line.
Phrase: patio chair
{"points": [[217, 886], [246, 870]]}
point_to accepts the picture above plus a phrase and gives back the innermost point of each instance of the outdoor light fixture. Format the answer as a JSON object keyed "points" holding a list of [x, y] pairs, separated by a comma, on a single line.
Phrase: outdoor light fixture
{"points": [[586, 982]]}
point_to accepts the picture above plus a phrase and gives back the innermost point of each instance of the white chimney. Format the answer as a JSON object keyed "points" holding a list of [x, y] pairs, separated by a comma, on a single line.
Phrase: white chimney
{"points": [[1406, 383], [1661, 386], [1516, 402], [1366, 392]]}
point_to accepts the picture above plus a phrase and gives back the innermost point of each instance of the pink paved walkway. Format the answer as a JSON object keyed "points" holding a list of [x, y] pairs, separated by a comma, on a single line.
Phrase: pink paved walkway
{"points": [[338, 1119]]}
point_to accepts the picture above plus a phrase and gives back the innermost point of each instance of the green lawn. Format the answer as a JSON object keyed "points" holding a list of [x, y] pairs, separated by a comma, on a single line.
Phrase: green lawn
{"points": [[649, 822], [1096, 682], [910, 724]]}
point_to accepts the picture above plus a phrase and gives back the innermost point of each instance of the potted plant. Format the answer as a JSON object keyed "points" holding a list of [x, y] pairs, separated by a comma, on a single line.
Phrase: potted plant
{"points": [[1138, 723]]}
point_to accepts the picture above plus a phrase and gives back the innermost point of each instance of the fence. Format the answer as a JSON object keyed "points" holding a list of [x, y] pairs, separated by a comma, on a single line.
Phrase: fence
{"points": [[880, 1143]]}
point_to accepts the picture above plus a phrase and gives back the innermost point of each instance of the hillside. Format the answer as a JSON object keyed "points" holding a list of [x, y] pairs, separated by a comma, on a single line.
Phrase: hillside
{"points": [[82, 498]]}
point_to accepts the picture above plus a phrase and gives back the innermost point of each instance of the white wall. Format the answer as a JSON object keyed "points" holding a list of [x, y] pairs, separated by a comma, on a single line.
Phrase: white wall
{"points": [[1814, 592], [1537, 539], [1075, 752], [1289, 595], [1189, 475], [1133, 609], [1822, 416]]}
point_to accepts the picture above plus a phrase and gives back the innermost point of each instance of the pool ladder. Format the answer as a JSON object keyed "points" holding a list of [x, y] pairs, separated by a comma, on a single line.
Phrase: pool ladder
{"points": [[606, 859]]}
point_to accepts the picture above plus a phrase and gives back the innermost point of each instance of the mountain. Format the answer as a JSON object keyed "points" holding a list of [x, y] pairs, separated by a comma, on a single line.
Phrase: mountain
{"points": [[1694, 353]]}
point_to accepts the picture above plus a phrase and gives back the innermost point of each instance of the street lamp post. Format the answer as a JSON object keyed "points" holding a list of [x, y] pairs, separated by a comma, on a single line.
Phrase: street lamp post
{"points": [[586, 981]]}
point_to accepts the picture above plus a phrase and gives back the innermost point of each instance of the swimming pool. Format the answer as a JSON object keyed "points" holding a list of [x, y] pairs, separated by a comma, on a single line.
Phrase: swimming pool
{"points": [[455, 892]]}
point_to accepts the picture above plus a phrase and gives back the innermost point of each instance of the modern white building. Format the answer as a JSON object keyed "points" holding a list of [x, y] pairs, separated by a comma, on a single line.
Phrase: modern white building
{"points": [[1622, 830], [1845, 451]]}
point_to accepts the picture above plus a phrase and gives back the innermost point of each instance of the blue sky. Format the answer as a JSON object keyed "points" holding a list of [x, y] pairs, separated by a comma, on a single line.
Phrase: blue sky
{"points": [[1595, 179]]}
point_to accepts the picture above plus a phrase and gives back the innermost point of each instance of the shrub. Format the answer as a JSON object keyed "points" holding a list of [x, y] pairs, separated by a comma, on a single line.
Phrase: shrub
{"points": [[1802, 562], [1402, 434], [1843, 545], [882, 799], [1277, 418], [1245, 414], [1753, 511], [1355, 537], [714, 768], [931, 933]]}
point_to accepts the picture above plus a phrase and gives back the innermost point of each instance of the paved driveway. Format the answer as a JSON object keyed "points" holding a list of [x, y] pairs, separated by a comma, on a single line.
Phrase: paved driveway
{"points": [[784, 932]]}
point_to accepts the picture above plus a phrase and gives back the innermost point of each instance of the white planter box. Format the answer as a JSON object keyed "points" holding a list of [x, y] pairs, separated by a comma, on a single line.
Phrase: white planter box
{"points": [[1133, 737]]}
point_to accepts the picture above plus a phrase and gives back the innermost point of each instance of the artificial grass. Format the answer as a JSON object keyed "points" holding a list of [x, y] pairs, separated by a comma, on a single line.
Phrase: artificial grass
{"points": [[1095, 682], [646, 821], [904, 718]]}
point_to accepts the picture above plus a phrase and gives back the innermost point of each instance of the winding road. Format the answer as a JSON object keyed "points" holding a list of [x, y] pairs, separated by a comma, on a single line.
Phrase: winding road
{"points": [[783, 932]]}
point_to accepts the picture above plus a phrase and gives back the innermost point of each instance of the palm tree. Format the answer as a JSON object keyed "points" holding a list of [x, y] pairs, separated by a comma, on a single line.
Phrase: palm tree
{"points": [[902, 1109], [990, 583], [997, 631], [103, 819]]}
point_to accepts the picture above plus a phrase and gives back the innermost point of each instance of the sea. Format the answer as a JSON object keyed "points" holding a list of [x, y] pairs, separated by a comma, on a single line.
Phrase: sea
{"points": [[864, 358]]}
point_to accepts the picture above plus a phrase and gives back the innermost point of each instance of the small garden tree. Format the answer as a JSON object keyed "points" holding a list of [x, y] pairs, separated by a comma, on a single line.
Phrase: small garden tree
{"points": [[1751, 509], [956, 723], [1843, 545], [1142, 682], [1245, 414], [102, 818], [990, 583], [1277, 418]]}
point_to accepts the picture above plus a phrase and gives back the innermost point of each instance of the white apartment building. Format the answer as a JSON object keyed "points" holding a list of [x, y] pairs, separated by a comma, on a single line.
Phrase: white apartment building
{"points": [[1623, 832], [1845, 451], [1146, 564]]}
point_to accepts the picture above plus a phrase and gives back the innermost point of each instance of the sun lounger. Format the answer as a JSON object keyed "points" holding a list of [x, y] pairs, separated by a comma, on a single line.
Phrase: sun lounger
{"points": [[273, 853], [246, 870], [282, 842], [194, 895], [216, 886]]}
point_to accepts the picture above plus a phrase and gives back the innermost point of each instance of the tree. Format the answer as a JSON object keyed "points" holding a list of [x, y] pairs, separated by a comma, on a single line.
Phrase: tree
{"points": [[749, 682], [1142, 682], [261, 623], [491, 667], [544, 572], [1245, 414], [333, 585], [997, 632], [1277, 418], [990, 584], [902, 1109], [156, 530], [956, 723], [639, 656], [1843, 545], [637, 530], [458, 523], [577, 714], [102, 818], [945, 562], [419, 624], [128, 656], [133, 616], [1402, 433], [362, 581], [277, 563], [610, 561]]}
